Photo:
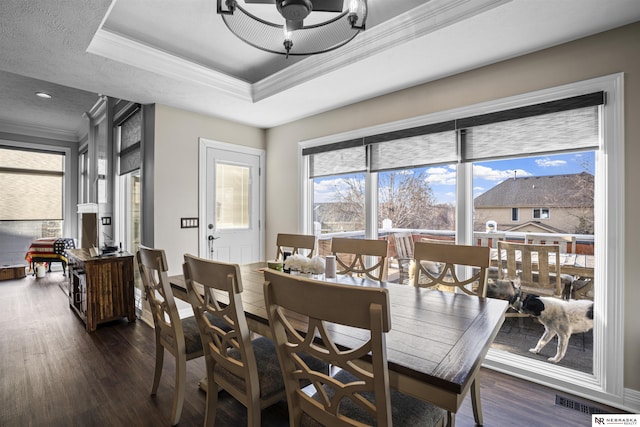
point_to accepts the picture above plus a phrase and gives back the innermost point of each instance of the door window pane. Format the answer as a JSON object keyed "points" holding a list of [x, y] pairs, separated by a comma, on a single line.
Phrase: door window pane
{"points": [[232, 196], [564, 185]]}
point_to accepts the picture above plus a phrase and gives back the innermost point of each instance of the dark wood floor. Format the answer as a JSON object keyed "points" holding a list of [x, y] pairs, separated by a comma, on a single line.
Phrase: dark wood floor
{"points": [[53, 373]]}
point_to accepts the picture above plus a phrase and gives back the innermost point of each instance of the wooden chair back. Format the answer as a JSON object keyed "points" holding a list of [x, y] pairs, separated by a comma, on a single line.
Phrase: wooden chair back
{"points": [[438, 241], [351, 257], [566, 242], [178, 336], [153, 267], [327, 307], [295, 242], [450, 259], [537, 267], [214, 291], [404, 245]]}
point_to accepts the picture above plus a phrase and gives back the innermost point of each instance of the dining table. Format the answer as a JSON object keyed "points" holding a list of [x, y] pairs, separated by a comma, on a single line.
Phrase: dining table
{"points": [[437, 342]]}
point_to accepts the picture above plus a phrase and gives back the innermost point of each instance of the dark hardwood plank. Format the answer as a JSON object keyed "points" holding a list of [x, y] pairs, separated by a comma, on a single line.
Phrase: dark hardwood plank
{"points": [[53, 373]]}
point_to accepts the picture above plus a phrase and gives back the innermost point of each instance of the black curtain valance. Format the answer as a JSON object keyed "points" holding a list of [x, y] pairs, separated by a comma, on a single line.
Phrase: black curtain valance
{"points": [[559, 125]]}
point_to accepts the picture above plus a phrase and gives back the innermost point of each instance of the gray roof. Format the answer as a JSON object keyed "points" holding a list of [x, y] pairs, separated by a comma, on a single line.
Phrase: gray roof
{"points": [[573, 190]]}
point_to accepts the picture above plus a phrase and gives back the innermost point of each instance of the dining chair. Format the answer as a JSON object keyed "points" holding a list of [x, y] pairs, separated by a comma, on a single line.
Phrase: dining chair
{"points": [[247, 369], [536, 266], [566, 242], [295, 242], [357, 392], [180, 337], [351, 257], [445, 241], [451, 259], [403, 243]]}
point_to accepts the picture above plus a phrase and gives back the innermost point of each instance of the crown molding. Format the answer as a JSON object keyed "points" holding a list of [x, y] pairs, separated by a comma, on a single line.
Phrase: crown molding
{"points": [[420, 21], [122, 49], [38, 131], [415, 23]]}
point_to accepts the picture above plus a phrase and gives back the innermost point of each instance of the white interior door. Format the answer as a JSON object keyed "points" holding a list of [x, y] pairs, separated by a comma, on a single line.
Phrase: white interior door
{"points": [[232, 203]]}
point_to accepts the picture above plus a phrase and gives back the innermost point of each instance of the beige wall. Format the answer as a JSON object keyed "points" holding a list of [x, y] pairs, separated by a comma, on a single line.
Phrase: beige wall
{"points": [[607, 53], [563, 219], [177, 134]]}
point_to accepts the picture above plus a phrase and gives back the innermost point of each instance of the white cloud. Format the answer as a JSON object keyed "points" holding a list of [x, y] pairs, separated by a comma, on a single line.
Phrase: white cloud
{"points": [[546, 162], [324, 190], [489, 174], [441, 176]]}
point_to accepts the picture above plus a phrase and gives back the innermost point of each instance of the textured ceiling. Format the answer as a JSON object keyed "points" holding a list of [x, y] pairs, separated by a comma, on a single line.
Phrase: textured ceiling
{"points": [[179, 53]]}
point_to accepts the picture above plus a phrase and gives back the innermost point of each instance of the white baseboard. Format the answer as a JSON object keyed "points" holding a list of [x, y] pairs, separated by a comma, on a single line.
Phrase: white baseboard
{"points": [[631, 399]]}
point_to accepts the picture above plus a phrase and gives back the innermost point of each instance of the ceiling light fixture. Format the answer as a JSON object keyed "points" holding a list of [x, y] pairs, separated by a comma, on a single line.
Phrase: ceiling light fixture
{"points": [[293, 37], [44, 95]]}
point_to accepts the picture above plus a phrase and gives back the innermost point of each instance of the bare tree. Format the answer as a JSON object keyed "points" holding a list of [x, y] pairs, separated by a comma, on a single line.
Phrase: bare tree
{"points": [[406, 198]]}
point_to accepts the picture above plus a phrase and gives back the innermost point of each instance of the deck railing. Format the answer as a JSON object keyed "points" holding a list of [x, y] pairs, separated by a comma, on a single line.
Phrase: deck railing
{"points": [[584, 242]]}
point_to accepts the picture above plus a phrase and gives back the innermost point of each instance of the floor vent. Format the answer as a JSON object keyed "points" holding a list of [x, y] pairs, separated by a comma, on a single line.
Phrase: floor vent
{"points": [[578, 406]]}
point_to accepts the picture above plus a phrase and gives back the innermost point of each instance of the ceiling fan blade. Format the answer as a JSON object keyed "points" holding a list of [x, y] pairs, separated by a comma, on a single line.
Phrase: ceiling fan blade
{"points": [[294, 25], [261, 1], [327, 5]]}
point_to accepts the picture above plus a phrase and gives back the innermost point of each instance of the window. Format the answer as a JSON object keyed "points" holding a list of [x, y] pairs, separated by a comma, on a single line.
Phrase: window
{"points": [[128, 139], [232, 196], [32, 191], [541, 213], [571, 123], [83, 176]]}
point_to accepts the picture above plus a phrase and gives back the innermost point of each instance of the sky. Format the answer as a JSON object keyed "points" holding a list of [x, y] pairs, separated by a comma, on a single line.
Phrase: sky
{"points": [[486, 174]]}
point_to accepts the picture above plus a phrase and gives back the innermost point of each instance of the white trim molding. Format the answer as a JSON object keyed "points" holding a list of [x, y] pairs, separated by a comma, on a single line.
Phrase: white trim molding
{"points": [[606, 384], [122, 49], [422, 20], [205, 144]]}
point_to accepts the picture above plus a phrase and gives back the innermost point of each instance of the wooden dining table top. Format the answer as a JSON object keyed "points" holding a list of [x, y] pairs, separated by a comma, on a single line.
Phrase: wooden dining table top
{"points": [[437, 343]]}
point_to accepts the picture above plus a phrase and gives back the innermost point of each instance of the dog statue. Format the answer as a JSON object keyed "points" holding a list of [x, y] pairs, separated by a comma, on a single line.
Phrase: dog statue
{"points": [[559, 317]]}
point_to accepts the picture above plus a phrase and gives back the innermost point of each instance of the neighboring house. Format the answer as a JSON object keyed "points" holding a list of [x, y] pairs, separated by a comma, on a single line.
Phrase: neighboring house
{"points": [[551, 204], [339, 216]]}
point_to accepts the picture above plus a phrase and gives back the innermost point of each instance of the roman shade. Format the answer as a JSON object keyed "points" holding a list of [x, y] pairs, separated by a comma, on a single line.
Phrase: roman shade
{"points": [[567, 124], [130, 142], [31, 185]]}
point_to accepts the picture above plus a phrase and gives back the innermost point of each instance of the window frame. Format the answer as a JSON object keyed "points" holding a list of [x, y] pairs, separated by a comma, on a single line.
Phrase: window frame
{"points": [[69, 197], [540, 214], [606, 382], [515, 214]]}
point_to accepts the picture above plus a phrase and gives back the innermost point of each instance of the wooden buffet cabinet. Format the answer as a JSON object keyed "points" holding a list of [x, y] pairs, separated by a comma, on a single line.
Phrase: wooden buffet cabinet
{"points": [[101, 287]]}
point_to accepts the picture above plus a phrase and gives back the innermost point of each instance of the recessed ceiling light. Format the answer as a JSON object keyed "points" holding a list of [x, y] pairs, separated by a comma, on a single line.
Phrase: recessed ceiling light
{"points": [[43, 95]]}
